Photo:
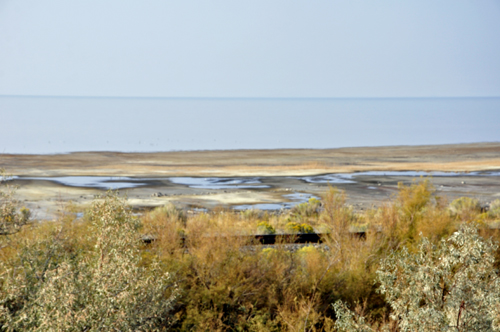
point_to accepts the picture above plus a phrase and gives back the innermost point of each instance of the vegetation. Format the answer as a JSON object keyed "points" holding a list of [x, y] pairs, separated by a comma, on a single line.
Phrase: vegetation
{"points": [[95, 273], [12, 218], [296, 228], [452, 286], [494, 210], [309, 209], [264, 227], [61, 282], [464, 207]]}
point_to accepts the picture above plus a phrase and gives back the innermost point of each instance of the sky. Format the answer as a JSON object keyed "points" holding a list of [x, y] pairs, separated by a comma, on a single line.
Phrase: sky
{"points": [[250, 49]]}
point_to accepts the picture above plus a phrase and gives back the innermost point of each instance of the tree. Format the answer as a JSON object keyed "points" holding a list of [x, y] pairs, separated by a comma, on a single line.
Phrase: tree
{"points": [[449, 287], [100, 287]]}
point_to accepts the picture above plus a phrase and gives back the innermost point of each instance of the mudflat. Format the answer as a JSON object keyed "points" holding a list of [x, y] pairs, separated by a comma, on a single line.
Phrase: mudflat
{"points": [[280, 175]]}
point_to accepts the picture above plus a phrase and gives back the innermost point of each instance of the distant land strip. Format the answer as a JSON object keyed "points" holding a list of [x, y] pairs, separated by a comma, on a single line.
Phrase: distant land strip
{"points": [[280, 162]]}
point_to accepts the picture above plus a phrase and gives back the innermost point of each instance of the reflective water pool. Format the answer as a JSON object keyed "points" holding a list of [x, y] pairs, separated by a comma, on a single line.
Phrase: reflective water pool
{"points": [[115, 183], [101, 182], [218, 183]]}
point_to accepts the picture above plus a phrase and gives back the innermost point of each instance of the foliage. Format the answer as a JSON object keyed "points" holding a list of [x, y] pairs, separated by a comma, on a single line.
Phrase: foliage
{"points": [[452, 286], [411, 203], [96, 270], [349, 321], [250, 214], [305, 250], [53, 286], [304, 211], [264, 227], [336, 215], [494, 210], [414, 212], [296, 228], [169, 211], [465, 208], [12, 218]]}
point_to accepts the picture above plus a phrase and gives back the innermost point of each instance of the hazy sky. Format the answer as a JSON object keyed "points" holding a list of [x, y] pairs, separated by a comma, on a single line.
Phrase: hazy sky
{"points": [[257, 48]]}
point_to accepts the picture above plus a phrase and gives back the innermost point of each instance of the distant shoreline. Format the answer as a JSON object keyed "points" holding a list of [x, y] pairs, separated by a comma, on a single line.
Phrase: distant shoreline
{"points": [[452, 145], [273, 162]]}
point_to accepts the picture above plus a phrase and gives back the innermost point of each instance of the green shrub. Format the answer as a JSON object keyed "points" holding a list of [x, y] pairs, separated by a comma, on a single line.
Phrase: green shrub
{"points": [[250, 214], [494, 210], [296, 228], [411, 204], [264, 227], [414, 212], [307, 250], [464, 207], [268, 251], [169, 211], [306, 210], [452, 286], [12, 216], [101, 288]]}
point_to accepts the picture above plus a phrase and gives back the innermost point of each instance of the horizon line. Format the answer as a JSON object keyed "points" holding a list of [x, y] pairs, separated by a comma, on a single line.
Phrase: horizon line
{"points": [[240, 98], [256, 149]]}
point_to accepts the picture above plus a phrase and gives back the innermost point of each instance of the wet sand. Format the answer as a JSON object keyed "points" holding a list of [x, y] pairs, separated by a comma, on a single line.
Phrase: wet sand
{"points": [[277, 169]]}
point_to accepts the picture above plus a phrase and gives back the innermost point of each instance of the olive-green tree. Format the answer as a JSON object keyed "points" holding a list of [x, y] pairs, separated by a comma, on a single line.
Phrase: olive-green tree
{"points": [[100, 287], [449, 287]]}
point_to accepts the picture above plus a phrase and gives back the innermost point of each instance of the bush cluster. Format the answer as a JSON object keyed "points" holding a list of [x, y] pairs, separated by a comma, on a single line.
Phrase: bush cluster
{"points": [[199, 274], [12, 218], [494, 210], [264, 227], [451, 286], [59, 282]]}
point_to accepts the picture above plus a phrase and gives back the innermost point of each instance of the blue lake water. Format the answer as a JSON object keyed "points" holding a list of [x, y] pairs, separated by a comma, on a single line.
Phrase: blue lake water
{"points": [[60, 125]]}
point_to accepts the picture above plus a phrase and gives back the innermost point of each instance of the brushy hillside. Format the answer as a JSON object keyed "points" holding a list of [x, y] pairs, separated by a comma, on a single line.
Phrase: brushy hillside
{"points": [[96, 273]]}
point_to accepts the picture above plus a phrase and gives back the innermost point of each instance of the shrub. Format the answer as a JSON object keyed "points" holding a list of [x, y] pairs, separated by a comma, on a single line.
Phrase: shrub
{"points": [[169, 211], [452, 286], [12, 217], [411, 204], [337, 218], [415, 212], [296, 228], [49, 281], [494, 210], [465, 208], [104, 288], [268, 251], [250, 214], [305, 250], [264, 227], [306, 210]]}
